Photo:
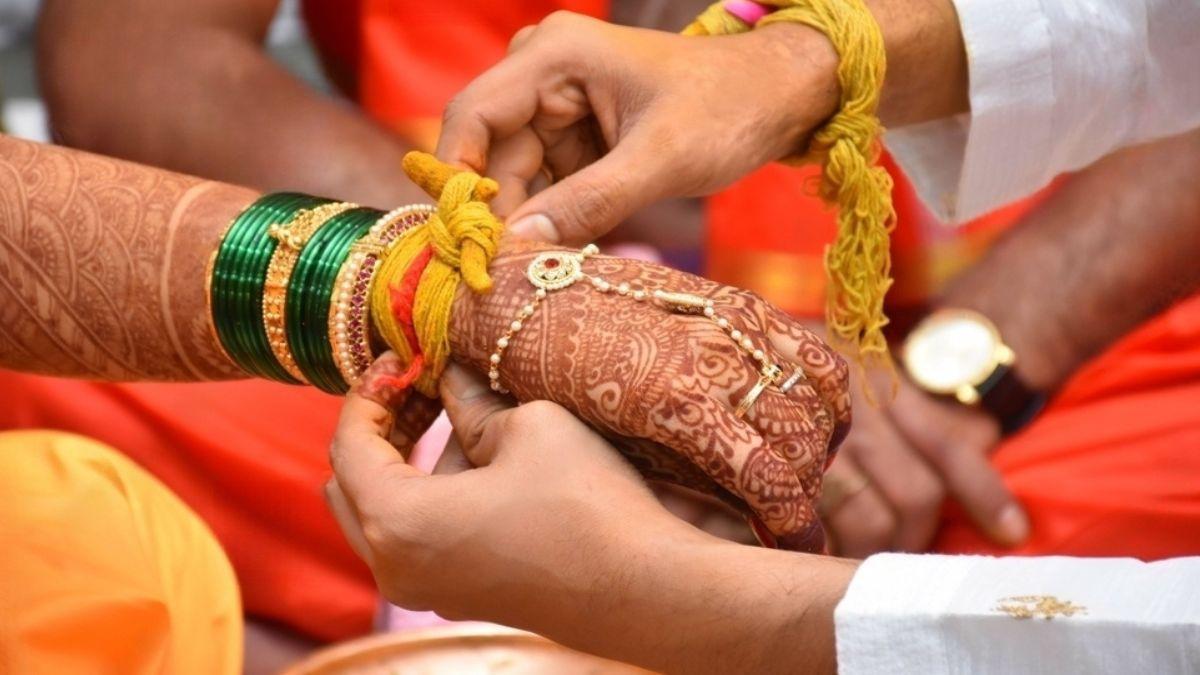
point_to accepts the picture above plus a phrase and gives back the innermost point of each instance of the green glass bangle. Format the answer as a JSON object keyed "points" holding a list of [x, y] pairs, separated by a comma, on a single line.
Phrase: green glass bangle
{"points": [[311, 293], [250, 289], [240, 314], [226, 271], [239, 273]]}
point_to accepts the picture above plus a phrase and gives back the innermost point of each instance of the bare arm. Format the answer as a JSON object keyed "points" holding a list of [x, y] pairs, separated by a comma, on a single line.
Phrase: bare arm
{"points": [[1117, 244], [186, 85]]}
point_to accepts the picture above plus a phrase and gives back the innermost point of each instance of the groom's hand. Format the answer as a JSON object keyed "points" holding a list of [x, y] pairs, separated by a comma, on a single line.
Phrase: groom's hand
{"points": [[519, 540]]}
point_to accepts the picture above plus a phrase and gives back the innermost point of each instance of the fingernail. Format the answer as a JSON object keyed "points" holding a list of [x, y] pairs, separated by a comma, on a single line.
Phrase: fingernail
{"points": [[537, 226], [1012, 525], [462, 384]]}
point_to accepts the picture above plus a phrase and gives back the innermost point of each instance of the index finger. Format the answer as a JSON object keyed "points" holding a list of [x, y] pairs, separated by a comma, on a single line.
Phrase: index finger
{"points": [[493, 106]]}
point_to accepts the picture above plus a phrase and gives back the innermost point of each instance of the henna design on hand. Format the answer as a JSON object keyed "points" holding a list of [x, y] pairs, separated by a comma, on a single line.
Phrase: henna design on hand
{"points": [[672, 381]]}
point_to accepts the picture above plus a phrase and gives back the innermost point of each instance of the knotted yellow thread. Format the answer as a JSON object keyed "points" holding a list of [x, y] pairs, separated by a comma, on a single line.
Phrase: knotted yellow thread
{"points": [[463, 235], [858, 263]]}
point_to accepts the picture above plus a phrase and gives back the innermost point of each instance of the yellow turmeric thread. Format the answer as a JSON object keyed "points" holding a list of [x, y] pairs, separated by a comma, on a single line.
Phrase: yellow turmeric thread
{"points": [[858, 263], [464, 235]]}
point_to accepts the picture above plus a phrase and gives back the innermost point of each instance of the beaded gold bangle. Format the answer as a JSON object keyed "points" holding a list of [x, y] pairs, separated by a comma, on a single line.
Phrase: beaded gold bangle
{"points": [[556, 270], [349, 314], [291, 238]]}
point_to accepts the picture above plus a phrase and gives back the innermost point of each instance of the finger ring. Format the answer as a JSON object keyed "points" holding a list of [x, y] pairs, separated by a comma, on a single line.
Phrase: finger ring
{"points": [[751, 396], [792, 380], [837, 492]]}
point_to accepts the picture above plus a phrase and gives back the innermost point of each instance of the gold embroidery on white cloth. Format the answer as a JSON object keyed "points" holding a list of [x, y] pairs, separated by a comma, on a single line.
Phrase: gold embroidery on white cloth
{"points": [[1038, 606]]}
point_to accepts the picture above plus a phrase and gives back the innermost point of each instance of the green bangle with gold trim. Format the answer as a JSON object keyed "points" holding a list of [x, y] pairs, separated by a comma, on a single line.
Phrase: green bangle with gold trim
{"points": [[312, 290]]}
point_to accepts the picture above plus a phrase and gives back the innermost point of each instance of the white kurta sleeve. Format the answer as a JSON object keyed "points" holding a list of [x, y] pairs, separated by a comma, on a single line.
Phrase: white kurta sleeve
{"points": [[1054, 86], [933, 614]]}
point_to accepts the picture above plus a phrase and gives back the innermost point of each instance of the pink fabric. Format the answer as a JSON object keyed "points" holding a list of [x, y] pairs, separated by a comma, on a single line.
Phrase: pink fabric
{"points": [[746, 10]]}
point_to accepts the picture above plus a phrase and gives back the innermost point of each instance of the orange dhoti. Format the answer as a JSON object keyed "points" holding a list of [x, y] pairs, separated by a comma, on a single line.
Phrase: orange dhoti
{"points": [[104, 570], [1112, 466]]}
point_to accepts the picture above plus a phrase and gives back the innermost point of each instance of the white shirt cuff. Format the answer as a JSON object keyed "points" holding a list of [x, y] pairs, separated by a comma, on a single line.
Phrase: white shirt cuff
{"points": [[975, 614], [967, 166]]}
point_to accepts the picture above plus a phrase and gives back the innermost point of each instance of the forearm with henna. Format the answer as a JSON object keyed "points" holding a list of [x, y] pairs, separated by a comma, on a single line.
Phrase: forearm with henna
{"points": [[1115, 245], [102, 266]]}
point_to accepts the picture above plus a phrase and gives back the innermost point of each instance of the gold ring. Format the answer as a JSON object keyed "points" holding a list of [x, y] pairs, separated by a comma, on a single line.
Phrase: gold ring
{"points": [[837, 492], [751, 396], [792, 380]]}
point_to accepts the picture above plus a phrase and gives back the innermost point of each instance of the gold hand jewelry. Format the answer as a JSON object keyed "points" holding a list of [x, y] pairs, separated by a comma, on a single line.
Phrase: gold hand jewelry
{"points": [[556, 270], [752, 396]]}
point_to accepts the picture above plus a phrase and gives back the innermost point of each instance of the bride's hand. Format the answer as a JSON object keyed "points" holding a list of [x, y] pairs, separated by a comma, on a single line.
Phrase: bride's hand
{"points": [[665, 385]]}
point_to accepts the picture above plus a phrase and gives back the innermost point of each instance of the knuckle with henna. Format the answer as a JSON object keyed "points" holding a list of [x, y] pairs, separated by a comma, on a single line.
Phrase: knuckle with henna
{"points": [[841, 370]]}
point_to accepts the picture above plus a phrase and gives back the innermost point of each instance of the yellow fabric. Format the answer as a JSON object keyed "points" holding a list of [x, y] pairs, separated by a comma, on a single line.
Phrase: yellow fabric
{"points": [[464, 234], [103, 570], [847, 148]]}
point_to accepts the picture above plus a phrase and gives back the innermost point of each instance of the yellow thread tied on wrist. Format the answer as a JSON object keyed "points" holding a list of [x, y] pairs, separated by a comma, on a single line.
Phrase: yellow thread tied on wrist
{"points": [[464, 235], [858, 263]]}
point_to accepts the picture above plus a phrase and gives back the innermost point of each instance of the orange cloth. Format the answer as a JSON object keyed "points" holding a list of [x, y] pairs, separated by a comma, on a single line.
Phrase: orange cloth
{"points": [[781, 257], [1112, 466], [250, 458], [105, 571]]}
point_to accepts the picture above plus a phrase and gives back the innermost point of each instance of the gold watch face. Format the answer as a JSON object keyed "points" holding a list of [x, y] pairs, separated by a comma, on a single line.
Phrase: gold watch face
{"points": [[952, 349]]}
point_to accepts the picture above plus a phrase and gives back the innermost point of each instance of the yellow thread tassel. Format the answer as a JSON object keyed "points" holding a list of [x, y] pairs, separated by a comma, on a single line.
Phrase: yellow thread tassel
{"points": [[464, 235], [858, 263]]}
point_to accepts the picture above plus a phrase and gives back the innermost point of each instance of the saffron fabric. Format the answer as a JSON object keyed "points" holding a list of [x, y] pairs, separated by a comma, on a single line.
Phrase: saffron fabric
{"points": [[250, 458], [1111, 467], [104, 570]]}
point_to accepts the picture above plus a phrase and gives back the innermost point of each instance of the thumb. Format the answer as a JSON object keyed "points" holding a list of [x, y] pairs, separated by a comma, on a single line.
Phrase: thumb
{"points": [[587, 204], [472, 408]]}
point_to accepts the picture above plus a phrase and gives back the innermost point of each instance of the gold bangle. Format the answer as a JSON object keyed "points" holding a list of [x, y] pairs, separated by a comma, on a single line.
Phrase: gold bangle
{"points": [[291, 238]]}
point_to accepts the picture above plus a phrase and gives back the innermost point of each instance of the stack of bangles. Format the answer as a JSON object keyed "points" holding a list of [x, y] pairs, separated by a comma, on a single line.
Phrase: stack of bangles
{"points": [[289, 285], [292, 284]]}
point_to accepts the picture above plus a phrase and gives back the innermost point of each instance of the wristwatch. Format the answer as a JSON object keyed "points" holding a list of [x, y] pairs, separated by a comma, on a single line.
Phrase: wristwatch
{"points": [[959, 353]]}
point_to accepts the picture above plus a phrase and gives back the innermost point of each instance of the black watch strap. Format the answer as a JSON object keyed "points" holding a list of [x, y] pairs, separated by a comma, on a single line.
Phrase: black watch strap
{"points": [[1008, 399]]}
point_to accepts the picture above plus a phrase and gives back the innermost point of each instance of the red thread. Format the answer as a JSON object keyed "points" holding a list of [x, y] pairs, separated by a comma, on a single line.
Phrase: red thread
{"points": [[404, 380], [404, 297]]}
